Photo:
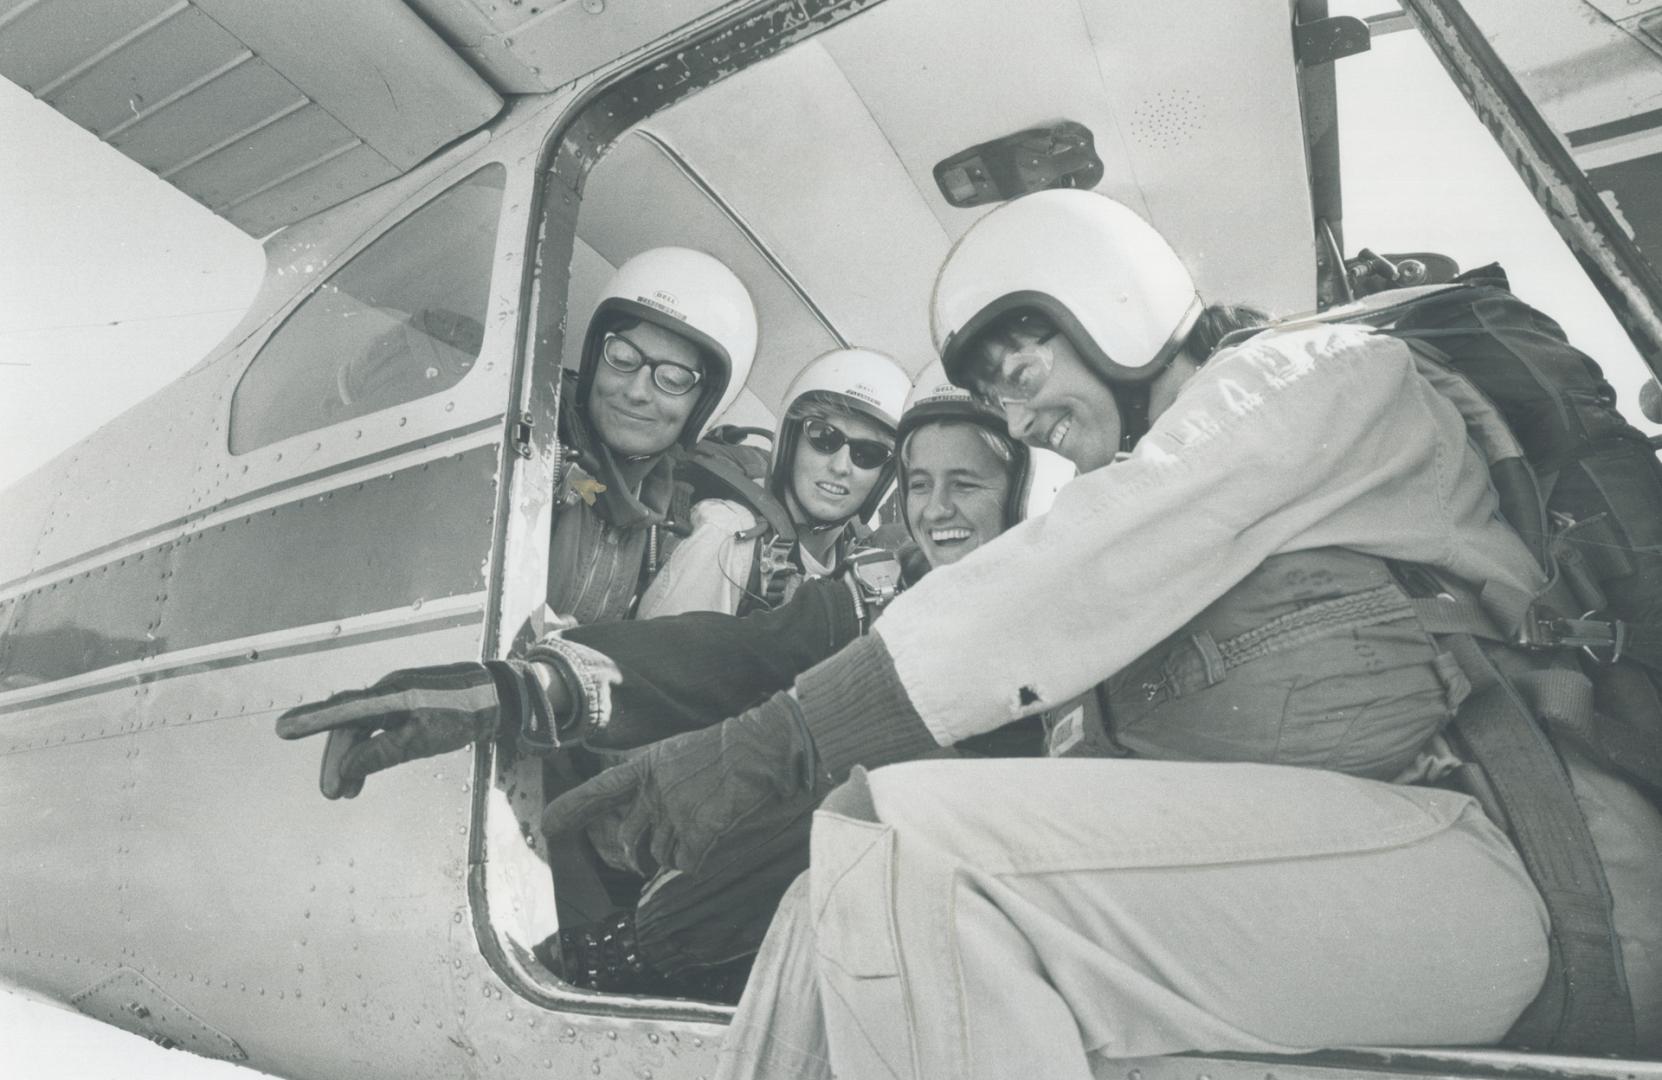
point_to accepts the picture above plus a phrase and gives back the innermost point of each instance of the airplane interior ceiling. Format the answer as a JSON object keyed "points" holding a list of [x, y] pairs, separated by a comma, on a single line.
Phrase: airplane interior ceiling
{"points": [[825, 154]]}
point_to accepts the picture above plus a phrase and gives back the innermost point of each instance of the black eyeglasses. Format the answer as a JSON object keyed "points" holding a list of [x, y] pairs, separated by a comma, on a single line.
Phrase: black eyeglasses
{"points": [[624, 355], [864, 453]]}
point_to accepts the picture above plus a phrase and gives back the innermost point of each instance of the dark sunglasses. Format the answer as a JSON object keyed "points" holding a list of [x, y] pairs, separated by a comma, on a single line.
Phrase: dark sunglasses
{"points": [[864, 453], [624, 355]]}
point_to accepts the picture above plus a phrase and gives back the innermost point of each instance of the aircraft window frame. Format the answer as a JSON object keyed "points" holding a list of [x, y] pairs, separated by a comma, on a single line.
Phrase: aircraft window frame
{"points": [[500, 849], [409, 348]]}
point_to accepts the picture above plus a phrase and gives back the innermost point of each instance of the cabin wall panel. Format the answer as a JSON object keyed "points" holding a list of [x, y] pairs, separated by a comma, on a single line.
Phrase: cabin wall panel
{"points": [[637, 199], [830, 168], [1222, 166], [1036, 68]]}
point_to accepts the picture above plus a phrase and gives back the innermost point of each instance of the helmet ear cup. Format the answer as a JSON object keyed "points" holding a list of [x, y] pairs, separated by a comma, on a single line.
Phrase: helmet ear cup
{"points": [[690, 294], [864, 381]]}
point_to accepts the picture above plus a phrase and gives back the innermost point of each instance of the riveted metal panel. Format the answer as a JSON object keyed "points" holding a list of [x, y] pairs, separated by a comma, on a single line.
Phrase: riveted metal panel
{"points": [[130, 1001], [398, 540], [285, 146], [411, 537], [27, 505], [177, 53], [198, 853], [306, 193], [240, 99], [41, 42], [116, 65], [110, 485], [524, 46], [100, 617]]}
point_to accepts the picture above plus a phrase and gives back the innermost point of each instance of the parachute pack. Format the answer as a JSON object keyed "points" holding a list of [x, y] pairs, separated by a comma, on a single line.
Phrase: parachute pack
{"points": [[1592, 516], [1578, 664]]}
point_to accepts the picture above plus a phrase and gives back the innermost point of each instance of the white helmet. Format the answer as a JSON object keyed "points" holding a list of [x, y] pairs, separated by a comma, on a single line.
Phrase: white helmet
{"points": [[865, 381], [691, 294], [935, 400], [1091, 265]]}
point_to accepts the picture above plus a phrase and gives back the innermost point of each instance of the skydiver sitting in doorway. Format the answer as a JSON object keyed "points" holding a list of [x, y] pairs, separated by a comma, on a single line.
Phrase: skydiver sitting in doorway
{"points": [[667, 349]]}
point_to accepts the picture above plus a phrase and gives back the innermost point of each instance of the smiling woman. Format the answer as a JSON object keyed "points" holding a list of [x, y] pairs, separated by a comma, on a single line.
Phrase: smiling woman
{"points": [[958, 479], [643, 393]]}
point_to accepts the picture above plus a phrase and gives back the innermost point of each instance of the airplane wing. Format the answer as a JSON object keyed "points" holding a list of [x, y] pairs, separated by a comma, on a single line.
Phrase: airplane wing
{"points": [[267, 112], [1572, 90]]}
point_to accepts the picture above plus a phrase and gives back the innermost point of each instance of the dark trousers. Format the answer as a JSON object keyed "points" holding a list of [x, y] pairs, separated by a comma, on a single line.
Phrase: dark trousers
{"points": [[686, 672]]}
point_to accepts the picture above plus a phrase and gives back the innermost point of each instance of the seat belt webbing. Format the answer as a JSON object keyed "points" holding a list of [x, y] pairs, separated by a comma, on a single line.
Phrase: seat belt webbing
{"points": [[1583, 1006]]}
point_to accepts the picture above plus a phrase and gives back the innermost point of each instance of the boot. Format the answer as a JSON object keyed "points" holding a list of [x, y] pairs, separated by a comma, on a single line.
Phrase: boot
{"points": [[605, 956]]}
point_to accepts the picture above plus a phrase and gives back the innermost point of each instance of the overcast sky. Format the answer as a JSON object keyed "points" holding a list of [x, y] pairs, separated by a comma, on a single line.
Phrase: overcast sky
{"points": [[112, 284]]}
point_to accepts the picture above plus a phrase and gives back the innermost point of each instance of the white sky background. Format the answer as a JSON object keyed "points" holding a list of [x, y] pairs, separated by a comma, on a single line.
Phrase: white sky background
{"points": [[112, 284]]}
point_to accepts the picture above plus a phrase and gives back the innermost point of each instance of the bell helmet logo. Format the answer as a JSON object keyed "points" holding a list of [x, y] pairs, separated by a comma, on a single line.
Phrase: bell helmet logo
{"points": [[664, 302], [863, 392]]}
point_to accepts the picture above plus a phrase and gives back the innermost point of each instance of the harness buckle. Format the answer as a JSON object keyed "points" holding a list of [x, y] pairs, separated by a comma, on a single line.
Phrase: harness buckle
{"points": [[1588, 634]]}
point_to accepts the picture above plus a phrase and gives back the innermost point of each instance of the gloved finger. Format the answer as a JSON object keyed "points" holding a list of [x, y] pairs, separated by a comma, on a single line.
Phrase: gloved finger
{"points": [[394, 746], [633, 837], [589, 800], [329, 780], [610, 837], [350, 708]]}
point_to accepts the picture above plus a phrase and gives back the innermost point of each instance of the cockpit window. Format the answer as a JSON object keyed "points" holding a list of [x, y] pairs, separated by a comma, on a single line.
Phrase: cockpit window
{"points": [[402, 320]]}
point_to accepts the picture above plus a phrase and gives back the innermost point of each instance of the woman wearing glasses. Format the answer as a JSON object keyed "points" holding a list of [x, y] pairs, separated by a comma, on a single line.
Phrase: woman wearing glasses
{"points": [[667, 350], [833, 458]]}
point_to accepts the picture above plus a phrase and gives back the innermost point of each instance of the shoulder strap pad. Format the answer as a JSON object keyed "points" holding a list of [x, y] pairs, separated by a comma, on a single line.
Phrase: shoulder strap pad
{"points": [[714, 471]]}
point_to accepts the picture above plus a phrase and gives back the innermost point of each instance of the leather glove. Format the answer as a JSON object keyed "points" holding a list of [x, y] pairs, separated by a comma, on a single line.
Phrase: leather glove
{"points": [[418, 713], [668, 806]]}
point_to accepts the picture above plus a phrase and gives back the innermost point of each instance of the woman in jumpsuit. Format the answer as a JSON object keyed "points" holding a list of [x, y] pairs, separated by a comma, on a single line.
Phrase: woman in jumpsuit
{"points": [[1261, 869], [832, 464], [667, 349]]}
